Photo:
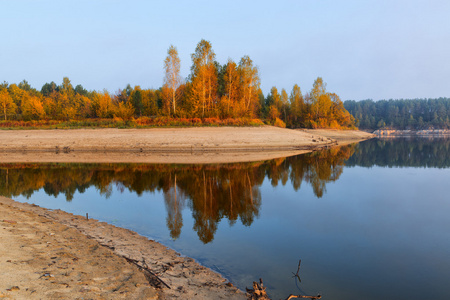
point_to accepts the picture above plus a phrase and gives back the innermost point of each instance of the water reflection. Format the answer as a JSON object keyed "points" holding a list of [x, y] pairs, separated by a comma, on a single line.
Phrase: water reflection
{"points": [[377, 231], [212, 192], [402, 152]]}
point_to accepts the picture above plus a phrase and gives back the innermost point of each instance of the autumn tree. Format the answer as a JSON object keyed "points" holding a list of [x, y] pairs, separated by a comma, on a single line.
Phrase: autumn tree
{"points": [[284, 104], [33, 109], [122, 107], [318, 90], [67, 108], [274, 105], [296, 104], [249, 85], [230, 99], [150, 102], [7, 104], [83, 105], [172, 79], [327, 110], [123, 110], [18, 96], [102, 104], [203, 85]]}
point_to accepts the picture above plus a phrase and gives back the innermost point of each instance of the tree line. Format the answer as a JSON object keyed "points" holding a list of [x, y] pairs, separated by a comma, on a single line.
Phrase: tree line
{"points": [[212, 90], [401, 114]]}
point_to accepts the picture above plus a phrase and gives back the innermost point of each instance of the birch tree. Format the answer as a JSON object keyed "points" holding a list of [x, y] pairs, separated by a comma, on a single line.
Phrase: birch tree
{"points": [[231, 79], [172, 79], [249, 84], [203, 87]]}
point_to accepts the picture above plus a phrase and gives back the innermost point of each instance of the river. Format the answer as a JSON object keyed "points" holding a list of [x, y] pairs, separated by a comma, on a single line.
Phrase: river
{"points": [[367, 221]]}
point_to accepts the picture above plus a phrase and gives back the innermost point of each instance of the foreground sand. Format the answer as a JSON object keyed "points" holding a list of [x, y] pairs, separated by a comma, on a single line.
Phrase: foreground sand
{"points": [[48, 254], [165, 145]]}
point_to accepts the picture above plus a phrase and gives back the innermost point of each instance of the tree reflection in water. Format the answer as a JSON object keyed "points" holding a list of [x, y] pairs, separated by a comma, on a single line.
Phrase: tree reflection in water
{"points": [[425, 152], [212, 192]]}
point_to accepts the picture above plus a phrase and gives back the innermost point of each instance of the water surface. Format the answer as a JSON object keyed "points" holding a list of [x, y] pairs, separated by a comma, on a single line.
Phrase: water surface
{"points": [[368, 221]]}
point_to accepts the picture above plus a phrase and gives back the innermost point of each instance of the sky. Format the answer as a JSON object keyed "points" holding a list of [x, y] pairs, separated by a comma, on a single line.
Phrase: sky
{"points": [[363, 49]]}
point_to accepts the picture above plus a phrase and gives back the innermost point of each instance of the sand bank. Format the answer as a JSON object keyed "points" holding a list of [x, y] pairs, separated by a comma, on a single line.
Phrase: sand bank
{"points": [[166, 145]]}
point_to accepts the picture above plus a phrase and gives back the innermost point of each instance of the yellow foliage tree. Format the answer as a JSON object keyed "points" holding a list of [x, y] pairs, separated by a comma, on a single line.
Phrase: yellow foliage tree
{"points": [[203, 87], [297, 105], [33, 109], [230, 101], [249, 85], [7, 104], [125, 111], [102, 104], [150, 102]]}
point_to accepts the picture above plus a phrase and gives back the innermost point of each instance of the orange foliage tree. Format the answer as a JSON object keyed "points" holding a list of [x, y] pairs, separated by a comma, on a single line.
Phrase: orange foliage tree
{"points": [[7, 104], [203, 81]]}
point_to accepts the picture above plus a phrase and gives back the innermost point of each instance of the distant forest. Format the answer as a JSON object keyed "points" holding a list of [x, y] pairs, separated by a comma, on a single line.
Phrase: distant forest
{"points": [[228, 94], [402, 114]]}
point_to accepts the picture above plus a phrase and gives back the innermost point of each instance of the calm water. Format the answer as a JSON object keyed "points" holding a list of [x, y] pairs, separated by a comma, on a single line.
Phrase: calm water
{"points": [[368, 221]]}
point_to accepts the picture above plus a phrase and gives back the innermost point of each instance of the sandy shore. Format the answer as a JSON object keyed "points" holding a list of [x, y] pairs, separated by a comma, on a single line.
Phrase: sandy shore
{"points": [[166, 145], [51, 254], [343, 137], [56, 255]]}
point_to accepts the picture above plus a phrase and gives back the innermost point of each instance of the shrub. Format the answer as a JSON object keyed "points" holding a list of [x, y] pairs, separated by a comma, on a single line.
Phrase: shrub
{"points": [[279, 123]]}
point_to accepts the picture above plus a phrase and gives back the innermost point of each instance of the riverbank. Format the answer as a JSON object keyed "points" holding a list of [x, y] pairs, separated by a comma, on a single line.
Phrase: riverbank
{"points": [[412, 133], [167, 145], [342, 137], [55, 255]]}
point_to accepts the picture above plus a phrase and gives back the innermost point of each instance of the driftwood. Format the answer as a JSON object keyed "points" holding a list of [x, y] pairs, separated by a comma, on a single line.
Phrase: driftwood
{"points": [[303, 297], [298, 270], [297, 277], [258, 292], [151, 277]]}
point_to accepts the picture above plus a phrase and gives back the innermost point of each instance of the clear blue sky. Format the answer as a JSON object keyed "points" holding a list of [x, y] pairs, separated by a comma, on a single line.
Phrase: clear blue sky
{"points": [[377, 49]]}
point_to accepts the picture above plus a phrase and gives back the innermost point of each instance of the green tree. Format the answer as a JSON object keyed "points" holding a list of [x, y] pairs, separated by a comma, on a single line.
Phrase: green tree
{"points": [[48, 88], [136, 100]]}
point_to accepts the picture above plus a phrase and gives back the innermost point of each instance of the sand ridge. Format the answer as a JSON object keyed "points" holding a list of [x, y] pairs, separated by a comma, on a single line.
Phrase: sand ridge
{"points": [[164, 145]]}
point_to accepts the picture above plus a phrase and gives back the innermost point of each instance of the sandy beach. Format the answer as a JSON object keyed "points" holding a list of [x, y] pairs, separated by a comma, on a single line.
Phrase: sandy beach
{"points": [[49, 254], [55, 255]]}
